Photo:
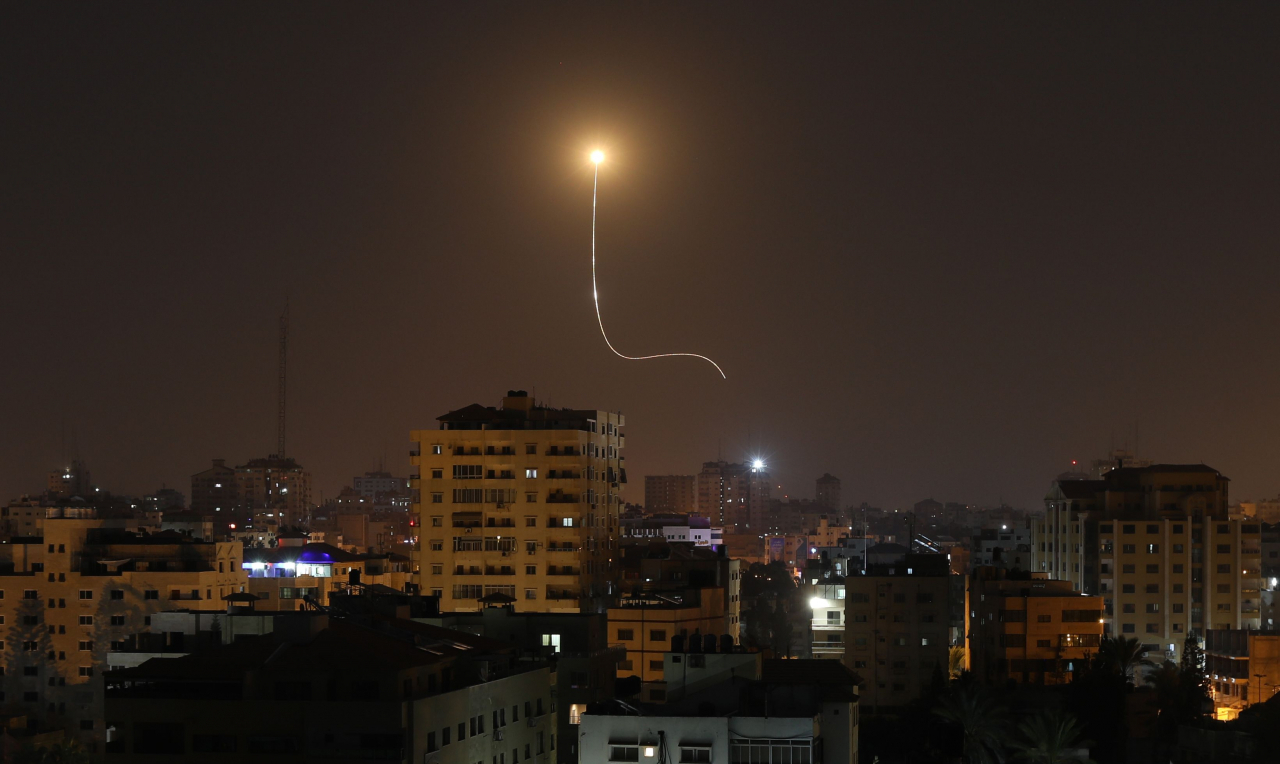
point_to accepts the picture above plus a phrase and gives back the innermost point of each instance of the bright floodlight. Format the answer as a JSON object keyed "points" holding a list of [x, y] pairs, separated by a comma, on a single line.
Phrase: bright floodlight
{"points": [[597, 156], [758, 464]]}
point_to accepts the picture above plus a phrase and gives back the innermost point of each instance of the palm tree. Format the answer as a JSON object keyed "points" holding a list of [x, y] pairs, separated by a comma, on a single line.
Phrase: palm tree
{"points": [[1124, 656], [1051, 737], [955, 661], [983, 720]]}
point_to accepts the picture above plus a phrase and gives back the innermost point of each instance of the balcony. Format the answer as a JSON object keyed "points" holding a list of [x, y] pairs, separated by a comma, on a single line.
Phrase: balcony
{"points": [[505, 522], [563, 475], [563, 594], [461, 571], [562, 548], [564, 451], [563, 570], [503, 571], [562, 498]]}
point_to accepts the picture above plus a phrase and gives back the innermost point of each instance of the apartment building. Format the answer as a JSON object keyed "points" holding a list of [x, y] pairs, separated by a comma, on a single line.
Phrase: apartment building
{"points": [[676, 494], [825, 598], [735, 496], [656, 567], [271, 492], [901, 621], [79, 589], [827, 492], [1157, 543], [645, 625], [320, 687], [519, 504], [1031, 630]]}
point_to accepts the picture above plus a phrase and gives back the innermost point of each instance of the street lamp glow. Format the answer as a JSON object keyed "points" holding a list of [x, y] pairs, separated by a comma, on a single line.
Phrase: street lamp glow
{"points": [[758, 464], [597, 156]]}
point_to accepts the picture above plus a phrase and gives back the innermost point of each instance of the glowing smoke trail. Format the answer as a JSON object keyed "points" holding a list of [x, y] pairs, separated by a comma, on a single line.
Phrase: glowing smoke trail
{"points": [[597, 157]]}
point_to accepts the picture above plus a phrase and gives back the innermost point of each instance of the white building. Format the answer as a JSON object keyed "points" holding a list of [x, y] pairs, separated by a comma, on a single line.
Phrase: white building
{"points": [[797, 712]]}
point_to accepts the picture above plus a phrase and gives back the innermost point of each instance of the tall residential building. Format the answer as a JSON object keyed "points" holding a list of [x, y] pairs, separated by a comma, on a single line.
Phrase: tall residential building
{"points": [[276, 488], [273, 491], [827, 492], [1158, 545], [675, 494], [734, 496], [901, 622], [519, 504]]}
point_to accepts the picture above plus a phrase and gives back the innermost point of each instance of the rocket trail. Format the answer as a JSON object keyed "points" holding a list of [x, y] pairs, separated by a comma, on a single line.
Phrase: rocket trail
{"points": [[597, 157]]}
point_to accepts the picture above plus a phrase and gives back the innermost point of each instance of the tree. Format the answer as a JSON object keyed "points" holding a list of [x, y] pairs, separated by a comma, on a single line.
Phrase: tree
{"points": [[62, 752], [1123, 656], [983, 721], [1195, 684], [955, 662], [1051, 737]]}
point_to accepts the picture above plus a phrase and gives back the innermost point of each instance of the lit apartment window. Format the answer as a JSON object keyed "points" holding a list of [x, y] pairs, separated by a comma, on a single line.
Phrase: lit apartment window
{"points": [[437, 449], [531, 472]]}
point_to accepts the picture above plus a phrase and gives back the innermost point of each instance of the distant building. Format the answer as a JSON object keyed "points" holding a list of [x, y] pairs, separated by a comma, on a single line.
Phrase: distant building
{"points": [[165, 499], [1118, 458], [71, 481], [1031, 630], [519, 504], [286, 576], [1005, 546], [216, 490], [734, 496], [828, 492], [373, 483], [671, 494]]}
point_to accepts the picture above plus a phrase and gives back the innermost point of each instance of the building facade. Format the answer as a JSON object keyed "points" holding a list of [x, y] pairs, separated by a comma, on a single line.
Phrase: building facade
{"points": [[1158, 544], [1031, 630], [677, 494], [734, 497], [519, 504], [827, 492]]}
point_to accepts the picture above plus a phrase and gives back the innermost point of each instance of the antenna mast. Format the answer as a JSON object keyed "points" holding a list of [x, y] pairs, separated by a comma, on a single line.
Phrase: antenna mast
{"points": [[284, 343]]}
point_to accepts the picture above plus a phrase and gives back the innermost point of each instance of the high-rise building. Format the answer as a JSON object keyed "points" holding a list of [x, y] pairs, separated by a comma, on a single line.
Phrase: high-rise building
{"points": [[276, 488], [70, 481], [735, 496], [1158, 544], [216, 490], [519, 504], [828, 491], [676, 494]]}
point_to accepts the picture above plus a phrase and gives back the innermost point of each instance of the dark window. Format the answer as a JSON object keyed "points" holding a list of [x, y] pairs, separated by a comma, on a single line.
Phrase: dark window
{"points": [[158, 737], [213, 743], [1127, 529]]}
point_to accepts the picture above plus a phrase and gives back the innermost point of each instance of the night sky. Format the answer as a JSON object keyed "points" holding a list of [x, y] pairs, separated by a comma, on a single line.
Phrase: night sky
{"points": [[940, 251]]}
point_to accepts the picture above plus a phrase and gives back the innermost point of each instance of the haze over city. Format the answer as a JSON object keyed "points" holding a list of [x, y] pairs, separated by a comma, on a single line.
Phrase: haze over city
{"points": [[938, 253]]}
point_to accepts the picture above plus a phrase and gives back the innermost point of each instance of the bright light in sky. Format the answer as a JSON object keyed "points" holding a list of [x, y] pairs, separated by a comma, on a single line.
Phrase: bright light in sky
{"points": [[758, 464], [597, 156]]}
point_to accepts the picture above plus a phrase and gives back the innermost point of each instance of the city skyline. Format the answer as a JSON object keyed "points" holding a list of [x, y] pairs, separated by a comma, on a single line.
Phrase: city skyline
{"points": [[982, 244]]}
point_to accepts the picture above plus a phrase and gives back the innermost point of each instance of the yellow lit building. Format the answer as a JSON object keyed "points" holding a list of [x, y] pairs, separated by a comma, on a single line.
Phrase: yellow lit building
{"points": [[83, 588], [1158, 545], [519, 504], [1031, 630], [645, 623]]}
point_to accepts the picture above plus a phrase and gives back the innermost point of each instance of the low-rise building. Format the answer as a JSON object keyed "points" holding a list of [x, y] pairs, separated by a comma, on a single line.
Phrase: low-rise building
{"points": [[320, 687], [1031, 630], [645, 623], [1243, 667], [796, 711], [285, 576]]}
